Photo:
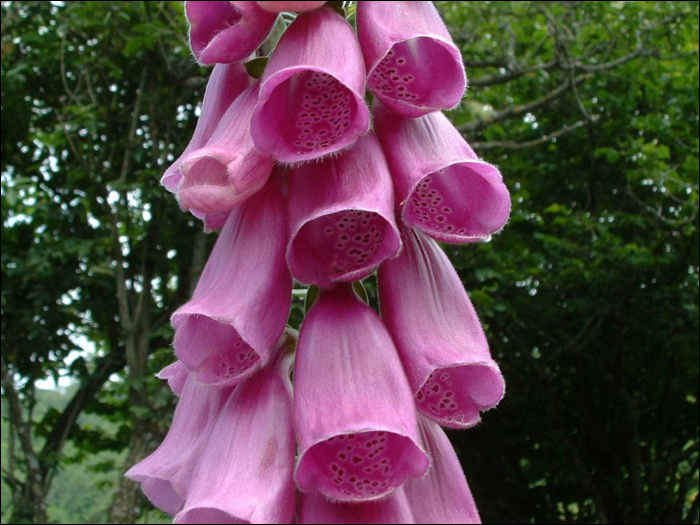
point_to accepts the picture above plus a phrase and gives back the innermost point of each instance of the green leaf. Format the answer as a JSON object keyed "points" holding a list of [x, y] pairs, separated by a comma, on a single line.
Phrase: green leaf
{"points": [[256, 67], [360, 290], [311, 296]]}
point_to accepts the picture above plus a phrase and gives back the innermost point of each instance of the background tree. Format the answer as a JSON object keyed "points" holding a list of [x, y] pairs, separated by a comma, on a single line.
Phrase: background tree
{"points": [[590, 295]]}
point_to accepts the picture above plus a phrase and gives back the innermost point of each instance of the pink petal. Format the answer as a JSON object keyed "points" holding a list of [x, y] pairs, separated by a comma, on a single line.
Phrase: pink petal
{"points": [[226, 82], [229, 169], [353, 410], [226, 32], [441, 496], [245, 471], [441, 185], [175, 374], [414, 66], [240, 306], [165, 474], [279, 7], [315, 508], [342, 216], [311, 95], [438, 335]]}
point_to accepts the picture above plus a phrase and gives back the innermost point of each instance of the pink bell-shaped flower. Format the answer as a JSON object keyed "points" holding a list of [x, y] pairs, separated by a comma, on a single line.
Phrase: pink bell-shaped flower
{"points": [[442, 495], [240, 306], [298, 7], [165, 474], [226, 83], [438, 335], [229, 168], [441, 186], [245, 474], [311, 94], [341, 212], [224, 32], [353, 410], [315, 508], [414, 66], [176, 375]]}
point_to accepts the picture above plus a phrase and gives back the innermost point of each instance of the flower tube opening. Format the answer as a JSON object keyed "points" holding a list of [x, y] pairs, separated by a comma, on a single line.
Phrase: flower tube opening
{"points": [[456, 395], [229, 168], [414, 65], [438, 334], [362, 445], [311, 95], [235, 358], [361, 466], [311, 113], [358, 248], [224, 32], [462, 202], [342, 216], [442, 187], [241, 303], [417, 76]]}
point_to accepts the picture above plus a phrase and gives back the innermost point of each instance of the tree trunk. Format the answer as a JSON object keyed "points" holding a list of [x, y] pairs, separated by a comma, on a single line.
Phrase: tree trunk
{"points": [[30, 506], [126, 506]]}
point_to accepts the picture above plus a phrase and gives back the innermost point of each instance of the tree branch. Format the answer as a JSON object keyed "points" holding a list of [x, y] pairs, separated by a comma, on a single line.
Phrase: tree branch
{"points": [[34, 478], [65, 423], [478, 125], [672, 462], [502, 78], [486, 63], [528, 144]]}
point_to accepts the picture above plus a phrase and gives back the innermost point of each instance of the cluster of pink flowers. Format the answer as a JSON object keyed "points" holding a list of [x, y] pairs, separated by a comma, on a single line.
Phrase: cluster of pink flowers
{"points": [[287, 166]]}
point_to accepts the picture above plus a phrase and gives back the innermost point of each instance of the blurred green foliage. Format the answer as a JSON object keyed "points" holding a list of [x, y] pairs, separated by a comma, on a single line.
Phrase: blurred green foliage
{"points": [[589, 295]]}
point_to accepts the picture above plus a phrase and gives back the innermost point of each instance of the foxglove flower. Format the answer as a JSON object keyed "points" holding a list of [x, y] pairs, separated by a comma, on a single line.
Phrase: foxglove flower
{"points": [[353, 411], [438, 335], [341, 213], [311, 94], [441, 186], [223, 32], [226, 83], [279, 7], [442, 495], [229, 169], [240, 306], [245, 471], [176, 375], [414, 66], [165, 474], [317, 509]]}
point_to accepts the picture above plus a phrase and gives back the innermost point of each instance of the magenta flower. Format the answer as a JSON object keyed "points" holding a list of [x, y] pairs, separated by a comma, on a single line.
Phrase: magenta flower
{"points": [[241, 303], [223, 32], [165, 474], [443, 495], [353, 410], [438, 335], [356, 419], [441, 185], [279, 7], [229, 168], [245, 471], [414, 66], [226, 83], [311, 94], [317, 509], [341, 213], [176, 375]]}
